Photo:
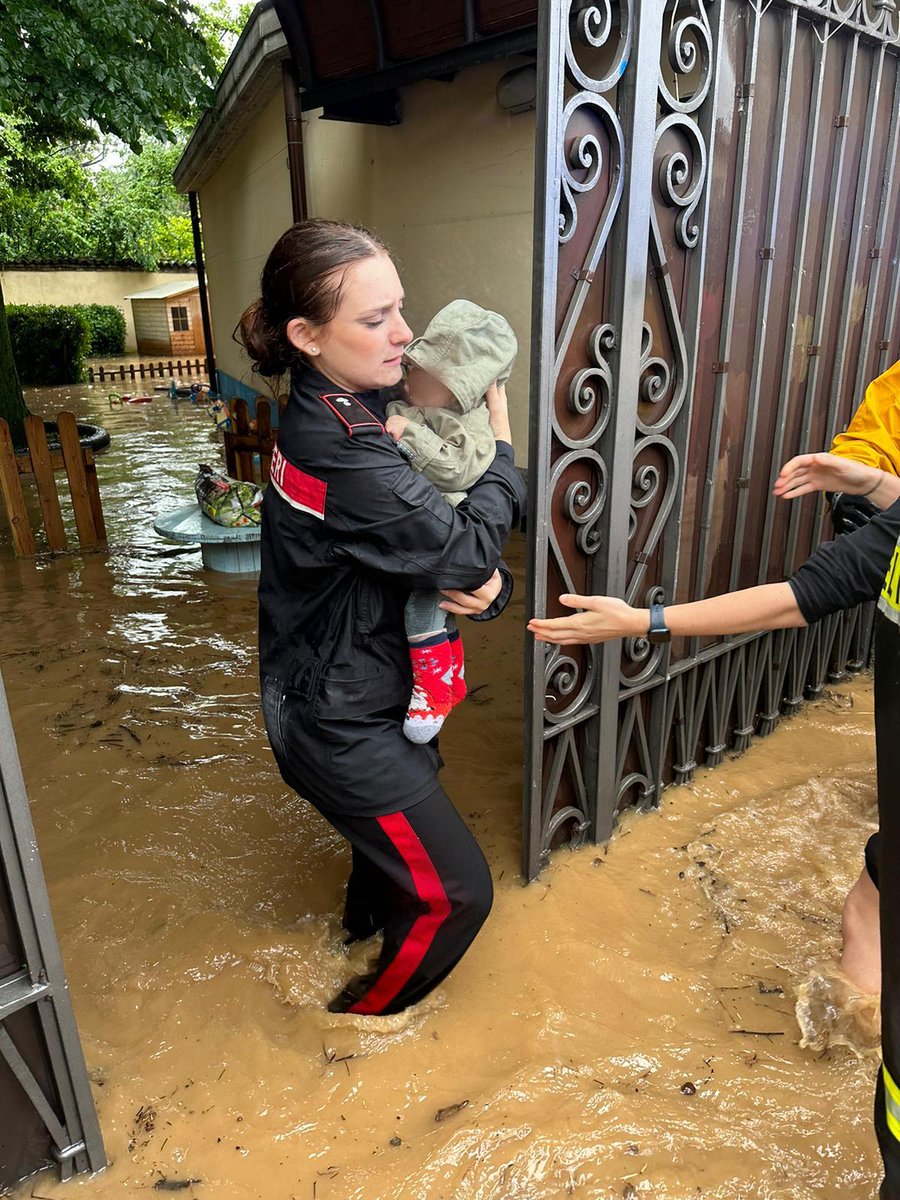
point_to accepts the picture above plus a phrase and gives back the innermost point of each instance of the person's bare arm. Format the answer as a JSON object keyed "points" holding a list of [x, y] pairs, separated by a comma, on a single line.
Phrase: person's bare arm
{"points": [[831, 473], [771, 606]]}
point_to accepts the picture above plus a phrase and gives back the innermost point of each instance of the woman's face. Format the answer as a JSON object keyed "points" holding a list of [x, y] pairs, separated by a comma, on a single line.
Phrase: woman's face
{"points": [[362, 345]]}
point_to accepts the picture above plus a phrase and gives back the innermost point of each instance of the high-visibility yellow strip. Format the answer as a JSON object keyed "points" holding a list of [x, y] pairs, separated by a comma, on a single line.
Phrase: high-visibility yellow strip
{"points": [[890, 592], [891, 1103]]}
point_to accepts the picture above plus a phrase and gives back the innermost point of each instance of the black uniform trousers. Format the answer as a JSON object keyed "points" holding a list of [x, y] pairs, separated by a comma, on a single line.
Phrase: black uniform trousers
{"points": [[418, 875], [884, 856]]}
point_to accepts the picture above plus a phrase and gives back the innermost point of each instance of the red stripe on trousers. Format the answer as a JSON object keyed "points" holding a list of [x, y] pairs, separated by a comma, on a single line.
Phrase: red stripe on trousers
{"points": [[418, 941]]}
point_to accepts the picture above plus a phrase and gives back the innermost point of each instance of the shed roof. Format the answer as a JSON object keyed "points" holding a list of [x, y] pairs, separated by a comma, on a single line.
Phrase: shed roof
{"points": [[162, 291]]}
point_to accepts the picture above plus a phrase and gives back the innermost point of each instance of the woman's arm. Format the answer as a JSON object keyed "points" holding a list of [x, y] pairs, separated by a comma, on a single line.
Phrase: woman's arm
{"points": [[840, 574], [831, 473], [771, 606], [389, 519]]}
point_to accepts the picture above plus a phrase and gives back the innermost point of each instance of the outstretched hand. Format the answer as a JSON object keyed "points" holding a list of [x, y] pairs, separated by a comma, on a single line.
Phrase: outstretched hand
{"points": [[825, 473], [605, 618]]}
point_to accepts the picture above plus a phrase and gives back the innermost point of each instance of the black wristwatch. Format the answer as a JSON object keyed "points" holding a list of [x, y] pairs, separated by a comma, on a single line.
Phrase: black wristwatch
{"points": [[658, 633]]}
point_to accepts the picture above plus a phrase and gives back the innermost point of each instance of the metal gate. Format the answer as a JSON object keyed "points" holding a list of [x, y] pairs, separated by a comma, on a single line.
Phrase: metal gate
{"points": [[46, 1109], [716, 280]]}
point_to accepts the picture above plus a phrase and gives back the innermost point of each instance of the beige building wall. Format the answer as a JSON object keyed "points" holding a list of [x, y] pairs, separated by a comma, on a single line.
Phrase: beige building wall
{"points": [[450, 190], [87, 287], [245, 206], [454, 198]]}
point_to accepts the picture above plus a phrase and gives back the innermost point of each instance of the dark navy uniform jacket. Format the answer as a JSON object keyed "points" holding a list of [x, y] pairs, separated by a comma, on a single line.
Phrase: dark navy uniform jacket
{"points": [[348, 529]]}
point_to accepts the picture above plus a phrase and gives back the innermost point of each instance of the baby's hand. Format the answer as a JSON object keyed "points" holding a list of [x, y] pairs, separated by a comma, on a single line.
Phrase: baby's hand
{"points": [[395, 426]]}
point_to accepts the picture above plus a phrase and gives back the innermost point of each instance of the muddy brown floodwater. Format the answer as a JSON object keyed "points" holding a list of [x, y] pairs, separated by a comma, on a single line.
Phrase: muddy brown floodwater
{"points": [[623, 1027]]}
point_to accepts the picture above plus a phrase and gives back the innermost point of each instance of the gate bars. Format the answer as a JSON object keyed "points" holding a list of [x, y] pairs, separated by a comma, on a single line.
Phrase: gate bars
{"points": [[65, 1107], [716, 280]]}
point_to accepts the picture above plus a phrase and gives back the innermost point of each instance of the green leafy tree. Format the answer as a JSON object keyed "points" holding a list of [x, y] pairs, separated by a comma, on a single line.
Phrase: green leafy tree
{"points": [[72, 72]]}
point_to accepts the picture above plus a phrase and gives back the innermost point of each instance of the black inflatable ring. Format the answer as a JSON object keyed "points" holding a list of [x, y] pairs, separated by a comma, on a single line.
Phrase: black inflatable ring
{"points": [[94, 437]]}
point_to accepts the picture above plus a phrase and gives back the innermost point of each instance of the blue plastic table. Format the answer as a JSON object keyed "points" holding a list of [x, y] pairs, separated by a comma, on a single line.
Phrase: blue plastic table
{"points": [[223, 549]]}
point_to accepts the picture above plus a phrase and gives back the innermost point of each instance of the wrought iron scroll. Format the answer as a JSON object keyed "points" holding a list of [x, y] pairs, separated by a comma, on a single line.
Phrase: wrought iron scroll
{"points": [[657, 319]]}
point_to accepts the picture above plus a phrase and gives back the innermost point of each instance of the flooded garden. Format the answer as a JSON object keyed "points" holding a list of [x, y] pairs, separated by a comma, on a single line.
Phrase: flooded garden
{"points": [[624, 1027]]}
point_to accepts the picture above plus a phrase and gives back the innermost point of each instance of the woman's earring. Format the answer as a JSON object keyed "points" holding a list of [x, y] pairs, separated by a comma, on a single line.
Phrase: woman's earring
{"points": [[312, 349]]}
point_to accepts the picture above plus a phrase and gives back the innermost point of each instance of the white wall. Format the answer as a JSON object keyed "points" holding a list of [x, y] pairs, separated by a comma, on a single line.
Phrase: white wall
{"points": [[88, 287]]}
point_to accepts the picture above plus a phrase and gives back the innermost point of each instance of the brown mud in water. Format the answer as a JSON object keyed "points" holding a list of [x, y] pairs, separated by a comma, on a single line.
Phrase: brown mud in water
{"points": [[623, 1027]]}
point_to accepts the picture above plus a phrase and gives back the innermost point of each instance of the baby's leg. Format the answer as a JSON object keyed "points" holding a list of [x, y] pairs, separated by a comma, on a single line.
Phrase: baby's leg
{"points": [[432, 666]]}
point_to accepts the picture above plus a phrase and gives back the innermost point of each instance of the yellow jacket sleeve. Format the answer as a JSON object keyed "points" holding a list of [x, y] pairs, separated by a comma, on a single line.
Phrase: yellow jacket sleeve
{"points": [[873, 436]]}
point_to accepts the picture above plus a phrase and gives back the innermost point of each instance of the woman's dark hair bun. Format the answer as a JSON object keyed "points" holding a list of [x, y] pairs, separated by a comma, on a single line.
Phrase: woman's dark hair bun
{"points": [[300, 279]]}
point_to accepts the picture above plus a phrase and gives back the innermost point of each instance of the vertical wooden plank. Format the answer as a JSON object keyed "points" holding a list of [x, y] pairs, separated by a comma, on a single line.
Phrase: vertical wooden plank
{"points": [[132, 372], [93, 487], [71, 451], [152, 374], [102, 379], [230, 460], [264, 432], [178, 367], [141, 368], [242, 429], [46, 483], [17, 514]]}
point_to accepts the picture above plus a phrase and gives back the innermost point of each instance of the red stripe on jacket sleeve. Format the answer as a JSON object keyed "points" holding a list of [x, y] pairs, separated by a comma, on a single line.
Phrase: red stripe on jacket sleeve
{"points": [[418, 941], [299, 489]]}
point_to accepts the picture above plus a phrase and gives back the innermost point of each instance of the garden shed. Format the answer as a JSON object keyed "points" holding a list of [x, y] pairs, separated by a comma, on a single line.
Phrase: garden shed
{"points": [[689, 212], [167, 319]]}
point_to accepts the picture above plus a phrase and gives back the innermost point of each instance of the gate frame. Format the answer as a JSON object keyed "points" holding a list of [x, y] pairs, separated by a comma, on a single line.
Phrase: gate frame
{"points": [[41, 984]]}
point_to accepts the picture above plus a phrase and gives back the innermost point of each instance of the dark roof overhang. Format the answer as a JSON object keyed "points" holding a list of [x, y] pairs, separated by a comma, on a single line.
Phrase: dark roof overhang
{"points": [[356, 50]]}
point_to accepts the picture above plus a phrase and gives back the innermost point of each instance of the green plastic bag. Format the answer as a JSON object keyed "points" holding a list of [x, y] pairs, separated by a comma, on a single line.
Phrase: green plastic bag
{"points": [[226, 501]]}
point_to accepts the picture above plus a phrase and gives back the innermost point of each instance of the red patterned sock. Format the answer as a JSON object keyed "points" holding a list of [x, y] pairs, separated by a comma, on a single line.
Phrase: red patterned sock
{"points": [[430, 703], [458, 674]]}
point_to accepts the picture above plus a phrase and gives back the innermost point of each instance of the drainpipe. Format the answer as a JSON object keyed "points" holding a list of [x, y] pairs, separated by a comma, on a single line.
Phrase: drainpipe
{"points": [[294, 121], [204, 299]]}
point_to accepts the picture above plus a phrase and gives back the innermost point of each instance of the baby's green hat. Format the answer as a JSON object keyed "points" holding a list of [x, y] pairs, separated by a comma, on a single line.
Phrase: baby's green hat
{"points": [[466, 347]]}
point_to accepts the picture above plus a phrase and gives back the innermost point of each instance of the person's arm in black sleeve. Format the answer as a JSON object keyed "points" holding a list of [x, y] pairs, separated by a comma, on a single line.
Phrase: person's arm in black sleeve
{"points": [[388, 518], [849, 570]]}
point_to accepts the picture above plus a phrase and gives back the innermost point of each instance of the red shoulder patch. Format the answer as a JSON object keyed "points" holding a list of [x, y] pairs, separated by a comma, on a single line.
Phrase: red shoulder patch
{"points": [[299, 489], [350, 412]]}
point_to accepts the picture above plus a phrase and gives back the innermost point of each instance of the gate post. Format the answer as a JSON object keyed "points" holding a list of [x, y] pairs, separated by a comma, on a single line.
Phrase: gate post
{"points": [[637, 108]]}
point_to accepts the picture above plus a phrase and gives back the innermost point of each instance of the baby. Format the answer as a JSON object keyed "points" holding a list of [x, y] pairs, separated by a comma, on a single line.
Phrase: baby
{"points": [[445, 432]]}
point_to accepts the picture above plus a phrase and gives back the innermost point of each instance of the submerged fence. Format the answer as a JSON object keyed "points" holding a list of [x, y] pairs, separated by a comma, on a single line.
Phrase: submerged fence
{"points": [[716, 281], [157, 369]]}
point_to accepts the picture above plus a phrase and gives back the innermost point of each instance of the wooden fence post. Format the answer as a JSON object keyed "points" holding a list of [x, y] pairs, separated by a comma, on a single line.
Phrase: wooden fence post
{"points": [[78, 485], [48, 496], [23, 538], [242, 429], [93, 487], [263, 430]]}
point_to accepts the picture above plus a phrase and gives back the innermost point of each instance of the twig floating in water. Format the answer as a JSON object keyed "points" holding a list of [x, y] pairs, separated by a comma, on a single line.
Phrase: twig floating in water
{"points": [[174, 1185], [759, 1032], [450, 1111]]}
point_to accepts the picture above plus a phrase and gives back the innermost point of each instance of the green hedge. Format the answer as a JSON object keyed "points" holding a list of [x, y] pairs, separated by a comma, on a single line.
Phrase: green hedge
{"points": [[49, 342], [107, 328]]}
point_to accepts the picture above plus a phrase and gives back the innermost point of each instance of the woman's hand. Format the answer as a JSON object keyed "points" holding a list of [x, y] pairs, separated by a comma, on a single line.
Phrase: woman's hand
{"points": [[468, 604], [395, 425], [498, 412], [825, 473], [606, 618]]}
